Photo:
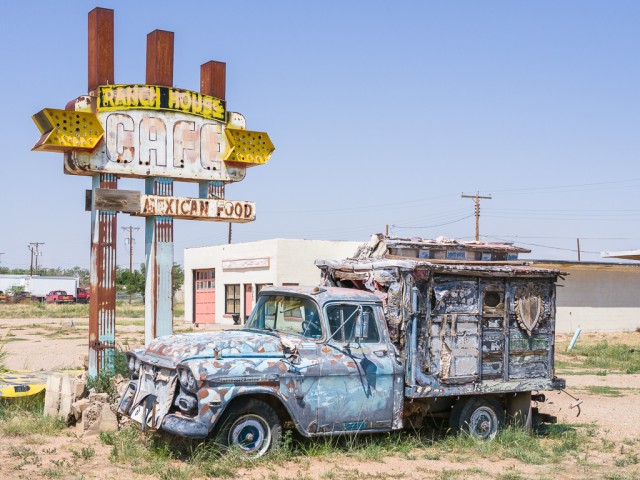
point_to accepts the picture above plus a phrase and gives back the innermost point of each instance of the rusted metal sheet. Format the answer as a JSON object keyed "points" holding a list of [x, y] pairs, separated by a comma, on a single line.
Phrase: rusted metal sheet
{"points": [[159, 266], [469, 333], [102, 309]]}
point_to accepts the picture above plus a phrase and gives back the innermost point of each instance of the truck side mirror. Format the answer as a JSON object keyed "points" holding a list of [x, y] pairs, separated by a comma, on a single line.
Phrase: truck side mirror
{"points": [[361, 327]]}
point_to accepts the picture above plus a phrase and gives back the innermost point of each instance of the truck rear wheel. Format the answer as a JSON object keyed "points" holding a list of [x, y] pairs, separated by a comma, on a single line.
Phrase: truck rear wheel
{"points": [[252, 426], [480, 417]]}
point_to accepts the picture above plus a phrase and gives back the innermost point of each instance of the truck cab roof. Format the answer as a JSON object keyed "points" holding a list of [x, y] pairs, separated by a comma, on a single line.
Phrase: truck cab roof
{"points": [[323, 294]]}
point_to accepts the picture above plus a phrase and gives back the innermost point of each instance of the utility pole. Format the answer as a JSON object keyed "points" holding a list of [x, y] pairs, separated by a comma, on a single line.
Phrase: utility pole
{"points": [[477, 197], [131, 242], [34, 248]]}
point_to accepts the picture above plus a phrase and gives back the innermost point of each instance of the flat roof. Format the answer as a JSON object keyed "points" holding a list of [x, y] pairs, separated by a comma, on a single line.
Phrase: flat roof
{"points": [[625, 254]]}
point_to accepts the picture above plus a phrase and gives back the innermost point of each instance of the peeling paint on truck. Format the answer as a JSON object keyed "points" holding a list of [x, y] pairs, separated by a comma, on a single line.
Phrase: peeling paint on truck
{"points": [[384, 342]]}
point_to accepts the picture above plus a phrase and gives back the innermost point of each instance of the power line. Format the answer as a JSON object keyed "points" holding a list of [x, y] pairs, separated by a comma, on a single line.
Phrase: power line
{"points": [[433, 226]]}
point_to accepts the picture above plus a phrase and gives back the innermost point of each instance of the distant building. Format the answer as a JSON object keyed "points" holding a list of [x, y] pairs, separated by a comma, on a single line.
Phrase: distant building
{"points": [[596, 296], [224, 280]]}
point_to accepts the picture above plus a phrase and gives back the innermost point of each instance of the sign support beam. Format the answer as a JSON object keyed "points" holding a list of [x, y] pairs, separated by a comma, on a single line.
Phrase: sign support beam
{"points": [[158, 306], [102, 310]]}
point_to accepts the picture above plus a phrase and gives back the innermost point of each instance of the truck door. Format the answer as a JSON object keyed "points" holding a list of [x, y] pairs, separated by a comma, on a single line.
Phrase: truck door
{"points": [[454, 349], [361, 380]]}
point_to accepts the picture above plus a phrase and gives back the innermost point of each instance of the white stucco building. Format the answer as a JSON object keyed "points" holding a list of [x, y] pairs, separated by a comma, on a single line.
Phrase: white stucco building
{"points": [[596, 296], [224, 280]]}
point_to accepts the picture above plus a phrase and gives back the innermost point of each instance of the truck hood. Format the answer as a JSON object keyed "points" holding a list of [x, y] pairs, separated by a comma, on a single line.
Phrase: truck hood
{"points": [[228, 343]]}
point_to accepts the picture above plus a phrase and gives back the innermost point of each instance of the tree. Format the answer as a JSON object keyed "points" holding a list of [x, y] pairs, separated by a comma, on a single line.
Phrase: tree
{"points": [[178, 277], [130, 282], [134, 282]]}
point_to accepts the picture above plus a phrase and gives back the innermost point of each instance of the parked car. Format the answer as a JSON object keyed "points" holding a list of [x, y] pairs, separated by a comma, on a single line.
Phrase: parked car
{"points": [[83, 295], [20, 297], [3, 297], [59, 296]]}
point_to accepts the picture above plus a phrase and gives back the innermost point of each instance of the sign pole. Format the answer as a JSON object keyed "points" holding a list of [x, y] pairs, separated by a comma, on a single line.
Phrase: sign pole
{"points": [[102, 310], [158, 133], [158, 306]]}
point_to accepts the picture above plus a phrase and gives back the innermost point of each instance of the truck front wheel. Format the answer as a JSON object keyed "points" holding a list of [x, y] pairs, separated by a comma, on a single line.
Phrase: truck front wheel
{"points": [[478, 417], [252, 426]]}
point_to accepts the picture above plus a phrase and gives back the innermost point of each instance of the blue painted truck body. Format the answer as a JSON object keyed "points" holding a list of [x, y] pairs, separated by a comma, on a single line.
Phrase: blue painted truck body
{"points": [[405, 340]]}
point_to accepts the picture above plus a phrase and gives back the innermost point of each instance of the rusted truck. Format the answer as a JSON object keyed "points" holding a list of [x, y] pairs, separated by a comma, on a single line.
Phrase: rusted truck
{"points": [[382, 344]]}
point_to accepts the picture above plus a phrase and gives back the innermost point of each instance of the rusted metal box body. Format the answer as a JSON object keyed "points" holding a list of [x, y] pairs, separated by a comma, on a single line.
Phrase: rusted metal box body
{"points": [[471, 329]]}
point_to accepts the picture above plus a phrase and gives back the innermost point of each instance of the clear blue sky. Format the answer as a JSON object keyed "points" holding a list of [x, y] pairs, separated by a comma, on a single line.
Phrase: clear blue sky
{"points": [[381, 113]]}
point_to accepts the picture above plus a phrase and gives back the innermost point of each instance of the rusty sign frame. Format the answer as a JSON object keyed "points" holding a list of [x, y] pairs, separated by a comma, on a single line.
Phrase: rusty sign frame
{"points": [[96, 133]]}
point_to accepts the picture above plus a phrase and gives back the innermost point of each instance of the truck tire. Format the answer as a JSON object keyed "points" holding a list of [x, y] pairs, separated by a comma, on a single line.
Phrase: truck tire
{"points": [[252, 426], [481, 417]]}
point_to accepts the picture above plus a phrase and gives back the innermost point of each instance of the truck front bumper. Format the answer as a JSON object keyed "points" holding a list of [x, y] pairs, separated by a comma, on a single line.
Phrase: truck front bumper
{"points": [[184, 426]]}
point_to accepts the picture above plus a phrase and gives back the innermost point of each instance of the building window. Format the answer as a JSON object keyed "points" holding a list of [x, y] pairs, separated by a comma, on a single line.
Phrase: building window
{"points": [[260, 286], [205, 280], [231, 299]]}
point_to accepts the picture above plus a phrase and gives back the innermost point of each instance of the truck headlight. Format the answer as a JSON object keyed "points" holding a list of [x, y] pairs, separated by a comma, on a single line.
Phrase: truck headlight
{"points": [[134, 365], [187, 380]]}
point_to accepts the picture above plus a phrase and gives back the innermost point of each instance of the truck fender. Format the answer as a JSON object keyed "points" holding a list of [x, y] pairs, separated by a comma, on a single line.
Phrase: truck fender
{"points": [[265, 394]]}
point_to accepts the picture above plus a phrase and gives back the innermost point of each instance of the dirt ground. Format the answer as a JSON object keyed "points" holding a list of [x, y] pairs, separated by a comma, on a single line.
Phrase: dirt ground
{"points": [[610, 409]]}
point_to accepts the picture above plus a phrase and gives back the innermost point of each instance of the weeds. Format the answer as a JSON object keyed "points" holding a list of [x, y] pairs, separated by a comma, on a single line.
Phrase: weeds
{"points": [[85, 454], [607, 356], [103, 382], [23, 416]]}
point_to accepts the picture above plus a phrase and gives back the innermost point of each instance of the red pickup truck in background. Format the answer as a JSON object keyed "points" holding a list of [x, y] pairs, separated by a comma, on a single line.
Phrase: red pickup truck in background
{"points": [[82, 295], [59, 296]]}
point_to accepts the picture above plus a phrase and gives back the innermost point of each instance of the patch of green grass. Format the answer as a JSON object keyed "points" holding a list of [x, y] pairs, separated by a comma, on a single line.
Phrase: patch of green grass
{"points": [[85, 454], [628, 459], [23, 416], [103, 382], [607, 356], [605, 390]]}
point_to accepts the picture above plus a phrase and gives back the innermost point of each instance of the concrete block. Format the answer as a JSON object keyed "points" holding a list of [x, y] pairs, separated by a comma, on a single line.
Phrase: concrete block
{"points": [[78, 407], [66, 397], [52, 395], [78, 388], [99, 397], [108, 420]]}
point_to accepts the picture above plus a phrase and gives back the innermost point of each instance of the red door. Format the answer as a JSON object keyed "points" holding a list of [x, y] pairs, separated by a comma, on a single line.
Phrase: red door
{"points": [[248, 301], [204, 283]]}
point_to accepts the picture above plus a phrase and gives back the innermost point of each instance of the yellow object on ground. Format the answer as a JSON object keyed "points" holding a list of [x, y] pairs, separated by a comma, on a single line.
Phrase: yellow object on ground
{"points": [[22, 383]]}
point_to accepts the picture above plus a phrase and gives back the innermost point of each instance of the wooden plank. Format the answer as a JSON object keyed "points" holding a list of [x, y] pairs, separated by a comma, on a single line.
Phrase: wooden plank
{"points": [[101, 58], [213, 79], [127, 201], [160, 58]]}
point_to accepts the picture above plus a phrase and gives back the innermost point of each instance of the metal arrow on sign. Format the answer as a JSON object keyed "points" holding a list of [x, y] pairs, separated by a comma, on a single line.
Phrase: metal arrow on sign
{"points": [[64, 130], [248, 148]]}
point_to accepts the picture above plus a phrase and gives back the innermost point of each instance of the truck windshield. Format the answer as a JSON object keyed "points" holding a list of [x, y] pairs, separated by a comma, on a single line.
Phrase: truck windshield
{"points": [[286, 314]]}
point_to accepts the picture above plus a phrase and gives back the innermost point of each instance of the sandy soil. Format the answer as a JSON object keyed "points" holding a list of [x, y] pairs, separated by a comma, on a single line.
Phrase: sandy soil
{"points": [[53, 343]]}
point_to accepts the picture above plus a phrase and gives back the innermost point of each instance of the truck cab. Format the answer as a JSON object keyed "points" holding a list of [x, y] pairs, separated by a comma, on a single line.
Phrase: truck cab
{"points": [[319, 357]]}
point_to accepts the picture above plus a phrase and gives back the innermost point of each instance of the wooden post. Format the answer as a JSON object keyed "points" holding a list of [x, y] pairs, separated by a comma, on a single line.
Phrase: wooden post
{"points": [[158, 308], [102, 309], [100, 47]]}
